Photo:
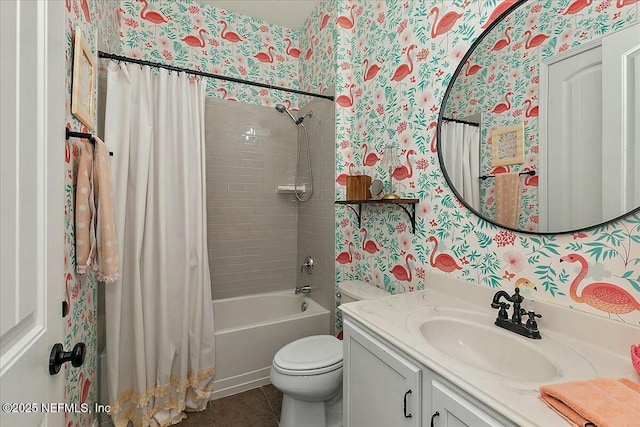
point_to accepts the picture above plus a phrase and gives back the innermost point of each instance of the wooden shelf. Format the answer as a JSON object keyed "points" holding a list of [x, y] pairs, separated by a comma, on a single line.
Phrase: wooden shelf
{"points": [[410, 209]]}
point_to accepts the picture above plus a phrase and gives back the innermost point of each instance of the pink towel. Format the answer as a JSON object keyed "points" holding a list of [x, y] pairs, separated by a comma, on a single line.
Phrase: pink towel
{"points": [[598, 402], [507, 199], [96, 245]]}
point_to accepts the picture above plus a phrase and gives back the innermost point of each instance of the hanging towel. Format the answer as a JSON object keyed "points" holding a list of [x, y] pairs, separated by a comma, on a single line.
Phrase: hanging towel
{"points": [[601, 402], [84, 210], [96, 245], [507, 199]]}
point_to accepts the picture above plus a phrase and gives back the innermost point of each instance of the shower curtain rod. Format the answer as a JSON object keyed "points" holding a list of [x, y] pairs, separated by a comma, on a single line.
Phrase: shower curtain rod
{"points": [[106, 55], [464, 122]]}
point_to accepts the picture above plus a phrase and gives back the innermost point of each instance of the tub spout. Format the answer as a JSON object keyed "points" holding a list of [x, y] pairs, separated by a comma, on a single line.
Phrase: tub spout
{"points": [[304, 289]]}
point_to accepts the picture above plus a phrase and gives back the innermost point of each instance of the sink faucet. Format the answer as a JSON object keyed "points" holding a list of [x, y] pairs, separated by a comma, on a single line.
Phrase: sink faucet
{"points": [[529, 329], [304, 289]]}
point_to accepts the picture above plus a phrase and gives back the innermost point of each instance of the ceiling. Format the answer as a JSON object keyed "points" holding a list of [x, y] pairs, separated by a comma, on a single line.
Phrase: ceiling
{"points": [[287, 13]]}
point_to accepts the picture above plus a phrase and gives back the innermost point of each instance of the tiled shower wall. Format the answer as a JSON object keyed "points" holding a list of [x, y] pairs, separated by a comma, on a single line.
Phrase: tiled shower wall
{"points": [[316, 217], [252, 230]]}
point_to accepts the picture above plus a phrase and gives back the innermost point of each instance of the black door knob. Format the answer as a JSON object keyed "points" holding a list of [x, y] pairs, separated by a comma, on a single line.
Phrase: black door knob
{"points": [[59, 356]]}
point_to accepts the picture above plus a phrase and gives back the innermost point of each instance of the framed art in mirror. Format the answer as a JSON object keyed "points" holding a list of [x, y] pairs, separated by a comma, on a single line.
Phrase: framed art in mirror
{"points": [[507, 145]]}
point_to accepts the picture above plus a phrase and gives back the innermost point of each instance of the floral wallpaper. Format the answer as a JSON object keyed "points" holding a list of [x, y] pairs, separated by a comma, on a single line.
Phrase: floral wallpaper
{"points": [[202, 37], [80, 291], [393, 67], [500, 80]]}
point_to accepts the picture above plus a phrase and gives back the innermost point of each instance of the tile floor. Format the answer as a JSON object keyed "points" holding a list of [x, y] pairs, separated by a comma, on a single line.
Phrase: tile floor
{"points": [[259, 407]]}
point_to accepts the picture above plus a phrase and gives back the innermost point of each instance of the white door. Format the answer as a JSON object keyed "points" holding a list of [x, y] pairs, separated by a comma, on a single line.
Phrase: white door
{"points": [[32, 48]]}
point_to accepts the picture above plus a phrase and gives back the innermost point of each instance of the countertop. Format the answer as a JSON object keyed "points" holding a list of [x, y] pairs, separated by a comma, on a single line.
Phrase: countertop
{"points": [[602, 343]]}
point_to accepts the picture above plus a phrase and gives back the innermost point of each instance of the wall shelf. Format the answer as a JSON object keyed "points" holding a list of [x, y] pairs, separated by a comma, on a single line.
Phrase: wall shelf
{"points": [[410, 207]]}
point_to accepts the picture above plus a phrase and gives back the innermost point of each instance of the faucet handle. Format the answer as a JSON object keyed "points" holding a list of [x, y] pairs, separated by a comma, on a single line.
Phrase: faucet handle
{"points": [[503, 306], [531, 323]]}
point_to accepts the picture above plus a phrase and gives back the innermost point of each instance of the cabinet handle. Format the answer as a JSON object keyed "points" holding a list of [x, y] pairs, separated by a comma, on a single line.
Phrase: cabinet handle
{"points": [[433, 418], [405, 404]]}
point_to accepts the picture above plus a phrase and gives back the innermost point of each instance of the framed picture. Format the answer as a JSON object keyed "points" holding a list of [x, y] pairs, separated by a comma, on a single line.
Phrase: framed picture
{"points": [[82, 103], [507, 145]]}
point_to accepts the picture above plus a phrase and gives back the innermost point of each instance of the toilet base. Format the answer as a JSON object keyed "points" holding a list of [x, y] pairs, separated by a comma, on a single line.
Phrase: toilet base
{"points": [[296, 413]]}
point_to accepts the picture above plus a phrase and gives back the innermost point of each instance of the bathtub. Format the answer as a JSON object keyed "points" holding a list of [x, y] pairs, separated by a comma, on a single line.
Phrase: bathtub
{"points": [[249, 330]]}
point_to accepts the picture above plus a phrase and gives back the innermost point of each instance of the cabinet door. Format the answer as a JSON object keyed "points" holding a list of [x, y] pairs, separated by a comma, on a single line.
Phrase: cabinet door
{"points": [[449, 409], [381, 387]]}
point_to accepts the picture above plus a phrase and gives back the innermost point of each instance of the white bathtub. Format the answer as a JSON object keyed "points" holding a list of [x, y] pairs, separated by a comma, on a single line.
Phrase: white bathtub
{"points": [[251, 329]]}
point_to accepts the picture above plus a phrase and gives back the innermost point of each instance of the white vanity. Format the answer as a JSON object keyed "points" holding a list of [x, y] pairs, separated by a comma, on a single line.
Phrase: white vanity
{"points": [[435, 358]]}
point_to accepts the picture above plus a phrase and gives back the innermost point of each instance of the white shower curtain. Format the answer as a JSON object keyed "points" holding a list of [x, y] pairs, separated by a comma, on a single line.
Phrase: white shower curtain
{"points": [[160, 337], [461, 153]]}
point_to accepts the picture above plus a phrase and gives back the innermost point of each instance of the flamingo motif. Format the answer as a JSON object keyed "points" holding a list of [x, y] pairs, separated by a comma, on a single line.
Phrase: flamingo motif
{"points": [[443, 262], [470, 70], [228, 35], [577, 6], [194, 41], [324, 19], [402, 274], [603, 296], [85, 9], [434, 142], [503, 106], [345, 257], [151, 16], [67, 279], [309, 53], [502, 43], [86, 386], [531, 112], [292, 51], [531, 181], [344, 100], [369, 159], [534, 41], [370, 72], [622, 3], [404, 70], [342, 178], [265, 57], [499, 10], [224, 94], [368, 245], [346, 22], [402, 172], [524, 282], [500, 169], [445, 23]]}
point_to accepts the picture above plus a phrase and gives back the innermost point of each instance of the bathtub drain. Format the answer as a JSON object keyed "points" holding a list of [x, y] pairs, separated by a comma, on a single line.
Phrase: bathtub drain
{"points": [[304, 306]]}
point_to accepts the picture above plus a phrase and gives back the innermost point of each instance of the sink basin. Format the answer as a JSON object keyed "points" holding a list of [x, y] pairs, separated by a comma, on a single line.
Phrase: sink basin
{"points": [[472, 339]]}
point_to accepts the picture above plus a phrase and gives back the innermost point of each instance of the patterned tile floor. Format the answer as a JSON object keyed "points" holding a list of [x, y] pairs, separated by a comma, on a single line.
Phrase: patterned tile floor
{"points": [[259, 407]]}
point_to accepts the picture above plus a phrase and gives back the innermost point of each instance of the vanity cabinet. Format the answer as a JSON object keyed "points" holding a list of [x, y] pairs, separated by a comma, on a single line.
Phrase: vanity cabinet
{"points": [[384, 387], [381, 387]]}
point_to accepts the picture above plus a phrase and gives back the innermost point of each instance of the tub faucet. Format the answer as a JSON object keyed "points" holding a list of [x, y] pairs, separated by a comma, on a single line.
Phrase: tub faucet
{"points": [[304, 289]]}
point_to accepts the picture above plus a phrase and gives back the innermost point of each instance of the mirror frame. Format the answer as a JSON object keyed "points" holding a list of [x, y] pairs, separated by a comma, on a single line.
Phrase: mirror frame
{"points": [[441, 114]]}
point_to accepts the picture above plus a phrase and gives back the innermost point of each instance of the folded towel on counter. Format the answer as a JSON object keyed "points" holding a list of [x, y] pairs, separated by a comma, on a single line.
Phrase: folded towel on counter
{"points": [[507, 199], [96, 245], [598, 402]]}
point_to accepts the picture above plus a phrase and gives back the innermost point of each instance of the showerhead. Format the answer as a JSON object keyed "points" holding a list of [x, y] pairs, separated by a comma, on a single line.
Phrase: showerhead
{"points": [[282, 109]]}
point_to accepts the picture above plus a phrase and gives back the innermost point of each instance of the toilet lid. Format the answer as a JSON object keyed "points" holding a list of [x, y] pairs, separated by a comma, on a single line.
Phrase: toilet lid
{"points": [[318, 352]]}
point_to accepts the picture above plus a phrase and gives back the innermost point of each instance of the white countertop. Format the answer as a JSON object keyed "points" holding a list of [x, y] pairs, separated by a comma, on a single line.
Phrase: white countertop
{"points": [[602, 343]]}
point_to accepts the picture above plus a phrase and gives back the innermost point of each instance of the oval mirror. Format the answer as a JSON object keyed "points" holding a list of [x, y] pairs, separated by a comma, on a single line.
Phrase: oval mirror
{"points": [[538, 131]]}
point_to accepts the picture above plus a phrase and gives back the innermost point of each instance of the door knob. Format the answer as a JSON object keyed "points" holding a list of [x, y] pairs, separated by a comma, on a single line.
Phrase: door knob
{"points": [[59, 356]]}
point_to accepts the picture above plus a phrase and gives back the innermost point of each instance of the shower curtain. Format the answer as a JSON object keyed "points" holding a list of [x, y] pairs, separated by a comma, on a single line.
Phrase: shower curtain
{"points": [[159, 319], [461, 153]]}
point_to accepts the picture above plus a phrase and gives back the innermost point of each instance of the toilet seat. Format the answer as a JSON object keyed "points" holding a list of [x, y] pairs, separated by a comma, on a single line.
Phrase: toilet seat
{"points": [[312, 355]]}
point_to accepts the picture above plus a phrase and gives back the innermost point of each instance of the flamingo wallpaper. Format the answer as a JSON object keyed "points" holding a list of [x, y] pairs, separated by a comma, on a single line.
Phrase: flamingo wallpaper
{"points": [[501, 79], [393, 66], [80, 291], [202, 37]]}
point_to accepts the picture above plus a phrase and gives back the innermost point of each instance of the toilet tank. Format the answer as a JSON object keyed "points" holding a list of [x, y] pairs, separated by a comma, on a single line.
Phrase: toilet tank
{"points": [[357, 290]]}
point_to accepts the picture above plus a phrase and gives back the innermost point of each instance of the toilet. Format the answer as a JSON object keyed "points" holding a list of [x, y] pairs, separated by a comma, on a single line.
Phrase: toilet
{"points": [[308, 371]]}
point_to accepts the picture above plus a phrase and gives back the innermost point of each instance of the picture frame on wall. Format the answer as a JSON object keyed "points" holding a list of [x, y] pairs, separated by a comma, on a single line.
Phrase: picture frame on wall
{"points": [[507, 145], [82, 89]]}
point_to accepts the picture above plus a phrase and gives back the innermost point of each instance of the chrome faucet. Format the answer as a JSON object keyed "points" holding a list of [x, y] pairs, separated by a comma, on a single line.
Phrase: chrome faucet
{"points": [[529, 329], [304, 289], [308, 265]]}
